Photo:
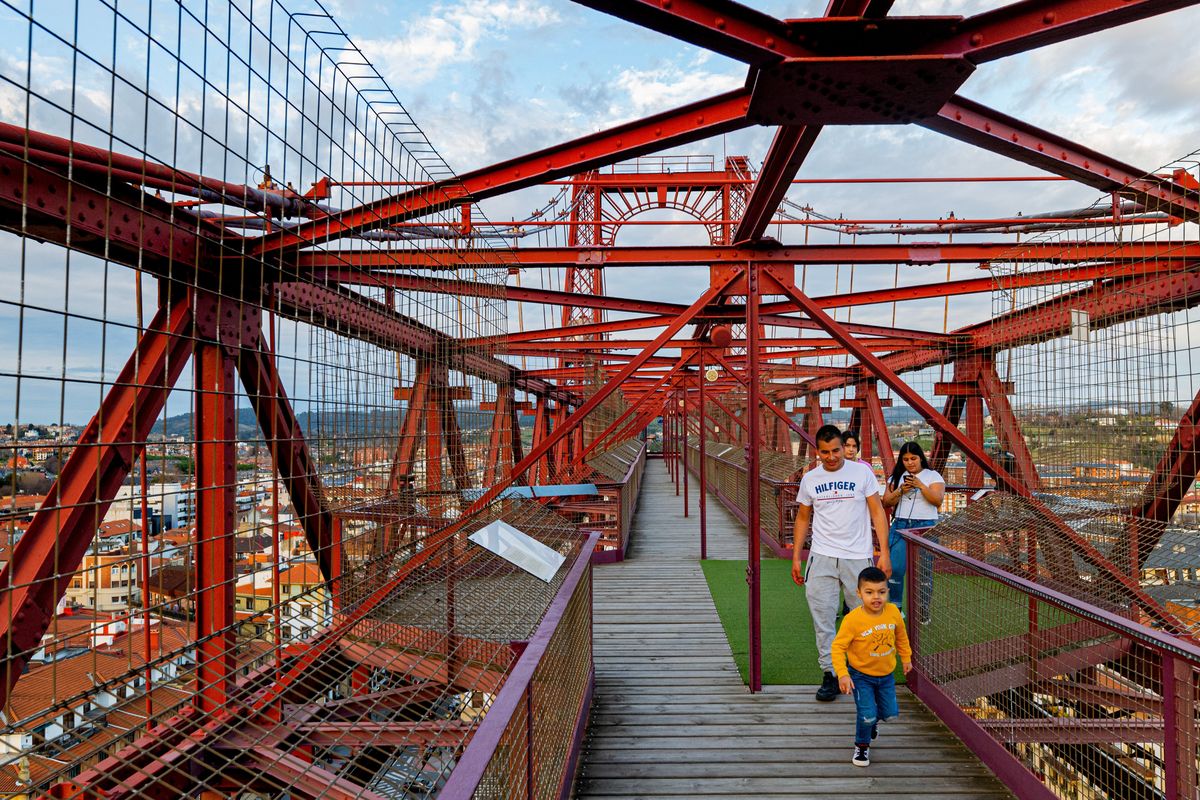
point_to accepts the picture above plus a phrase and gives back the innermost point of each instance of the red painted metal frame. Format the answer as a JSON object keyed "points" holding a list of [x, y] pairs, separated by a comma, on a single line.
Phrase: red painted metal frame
{"points": [[1021, 26], [354, 262], [975, 453], [753, 487], [874, 413], [1173, 477], [690, 123], [216, 521], [1172, 652], [790, 147], [979, 125], [1105, 302], [52, 548], [265, 390], [1008, 429]]}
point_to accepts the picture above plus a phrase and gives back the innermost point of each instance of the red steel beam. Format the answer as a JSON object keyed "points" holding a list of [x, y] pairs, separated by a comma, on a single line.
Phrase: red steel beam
{"points": [[1008, 430], [690, 123], [653, 389], [764, 400], [265, 389], [358, 734], [721, 26], [303, 778], [541, 348], [1173, 478], [977, 454], [870, 297], [216, 523], [790, 147], [1022, 26], [912, 254], [51, 550], [1105, 302], [304, 661], [874, 413], [351, 314], [981, 126], [143, 232]]}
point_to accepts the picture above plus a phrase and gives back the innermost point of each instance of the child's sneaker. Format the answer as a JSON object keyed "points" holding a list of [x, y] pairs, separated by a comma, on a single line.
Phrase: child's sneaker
{"points": [[875, 731], [862, 756]]}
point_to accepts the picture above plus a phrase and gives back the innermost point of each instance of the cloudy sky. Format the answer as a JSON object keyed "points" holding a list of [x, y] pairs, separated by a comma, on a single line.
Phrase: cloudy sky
{"points": [[491, 80]]}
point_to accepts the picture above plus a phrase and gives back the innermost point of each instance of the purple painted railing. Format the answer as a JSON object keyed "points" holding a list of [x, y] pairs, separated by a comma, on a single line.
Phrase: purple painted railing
{"points": [[728, 482], [529, 742], [1059, 697]]}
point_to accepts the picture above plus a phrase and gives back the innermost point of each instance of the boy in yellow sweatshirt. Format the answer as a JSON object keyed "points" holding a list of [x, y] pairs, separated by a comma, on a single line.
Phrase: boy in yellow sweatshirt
{"points": [[869, 638]]}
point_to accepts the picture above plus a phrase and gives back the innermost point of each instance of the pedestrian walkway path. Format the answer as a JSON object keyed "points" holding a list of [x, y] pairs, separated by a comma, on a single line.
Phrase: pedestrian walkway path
{"points": [[672, 718]]}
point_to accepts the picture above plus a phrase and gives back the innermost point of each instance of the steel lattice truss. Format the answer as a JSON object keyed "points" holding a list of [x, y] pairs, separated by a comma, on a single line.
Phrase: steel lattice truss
{"points": [[395, 305]]}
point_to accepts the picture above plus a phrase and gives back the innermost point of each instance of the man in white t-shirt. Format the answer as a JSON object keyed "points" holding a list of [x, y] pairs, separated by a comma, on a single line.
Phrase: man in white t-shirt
{"points": [[839, 499]]}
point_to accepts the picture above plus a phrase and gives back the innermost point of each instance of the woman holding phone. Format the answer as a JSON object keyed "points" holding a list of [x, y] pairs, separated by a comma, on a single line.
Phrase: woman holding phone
{"points": [[916, 492]]}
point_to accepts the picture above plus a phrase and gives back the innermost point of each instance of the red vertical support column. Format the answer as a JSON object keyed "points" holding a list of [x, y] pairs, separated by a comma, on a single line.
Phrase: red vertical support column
{"points": [[216, 521], [683, 445], [498, 437], [515, 445], [702, 459], [336, 562], [676, 440], [539, 470], [752, 478], [940, 450], [433, 447], [874, 413], [975, 434], [1179, 729], [813, 420], [860, 423]]}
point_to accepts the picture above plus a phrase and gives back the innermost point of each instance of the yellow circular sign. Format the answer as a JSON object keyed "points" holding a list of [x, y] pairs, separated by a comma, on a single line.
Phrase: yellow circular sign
{"points": [[711, 374]]}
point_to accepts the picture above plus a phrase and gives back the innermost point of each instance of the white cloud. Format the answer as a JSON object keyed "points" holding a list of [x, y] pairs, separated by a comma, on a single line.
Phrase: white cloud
{"points": [[652, 90], [451, 34]]}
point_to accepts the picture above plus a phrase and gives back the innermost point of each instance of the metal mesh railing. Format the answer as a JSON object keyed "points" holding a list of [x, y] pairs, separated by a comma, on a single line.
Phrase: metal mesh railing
{"points": [[527, 745], [727, 480], [1048, 689], [618, 477]]}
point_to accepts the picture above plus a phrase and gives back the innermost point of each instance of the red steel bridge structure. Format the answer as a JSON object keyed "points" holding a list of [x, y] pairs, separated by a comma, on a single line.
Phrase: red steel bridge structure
{"points": [[382, 298]]}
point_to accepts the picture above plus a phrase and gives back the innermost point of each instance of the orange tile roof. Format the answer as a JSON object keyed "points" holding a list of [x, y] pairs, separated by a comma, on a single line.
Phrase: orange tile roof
{"points": [[307, 573], [117, 527]]}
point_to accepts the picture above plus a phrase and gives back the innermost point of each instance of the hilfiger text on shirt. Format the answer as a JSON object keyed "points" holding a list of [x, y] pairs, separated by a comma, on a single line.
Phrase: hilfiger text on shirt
{"points": [[835, 486]]}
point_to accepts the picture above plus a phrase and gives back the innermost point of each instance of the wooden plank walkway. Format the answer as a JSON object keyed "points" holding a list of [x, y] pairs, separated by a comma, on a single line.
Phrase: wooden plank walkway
{"points": [[672, 718]]}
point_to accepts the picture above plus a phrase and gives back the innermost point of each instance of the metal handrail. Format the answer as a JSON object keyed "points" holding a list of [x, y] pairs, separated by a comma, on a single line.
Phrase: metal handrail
{"points": [[472, 767]]}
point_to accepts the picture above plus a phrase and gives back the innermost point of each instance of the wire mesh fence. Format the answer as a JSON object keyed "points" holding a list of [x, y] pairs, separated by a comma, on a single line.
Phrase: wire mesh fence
{"points": [[250, 543], [1086, 701]]}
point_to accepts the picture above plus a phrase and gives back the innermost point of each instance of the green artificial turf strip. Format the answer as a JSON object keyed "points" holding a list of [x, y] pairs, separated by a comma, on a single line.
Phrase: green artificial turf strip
{"points": [[789, 653]]}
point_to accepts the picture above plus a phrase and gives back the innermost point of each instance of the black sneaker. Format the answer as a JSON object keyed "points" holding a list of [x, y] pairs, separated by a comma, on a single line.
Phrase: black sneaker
{"points": [[862, 756], [829, 688], [875, 731]]}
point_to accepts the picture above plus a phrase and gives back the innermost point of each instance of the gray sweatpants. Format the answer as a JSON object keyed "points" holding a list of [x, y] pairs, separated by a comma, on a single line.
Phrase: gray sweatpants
{"points": [[824, 577]]}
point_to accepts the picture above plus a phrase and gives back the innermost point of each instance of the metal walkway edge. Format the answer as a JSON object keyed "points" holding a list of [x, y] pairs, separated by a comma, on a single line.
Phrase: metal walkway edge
{"points": [[672, 719]]}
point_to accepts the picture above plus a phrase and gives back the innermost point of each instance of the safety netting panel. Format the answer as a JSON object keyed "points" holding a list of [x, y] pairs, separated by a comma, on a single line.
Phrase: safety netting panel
{"points": [[1089, 707], [240, 415], [1093, 369]]}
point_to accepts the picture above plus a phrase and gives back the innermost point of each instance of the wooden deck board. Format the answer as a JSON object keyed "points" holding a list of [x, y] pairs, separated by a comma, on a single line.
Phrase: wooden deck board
{"points": [[672, 718]]}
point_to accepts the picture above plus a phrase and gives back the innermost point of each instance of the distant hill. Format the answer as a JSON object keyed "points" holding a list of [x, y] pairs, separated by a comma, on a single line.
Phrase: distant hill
{"points": [[350, 423]]}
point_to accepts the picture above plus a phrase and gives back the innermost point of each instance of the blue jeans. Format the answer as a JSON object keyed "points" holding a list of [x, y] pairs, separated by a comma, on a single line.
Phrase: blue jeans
{"points": [[874, 702], [898, 550]]}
